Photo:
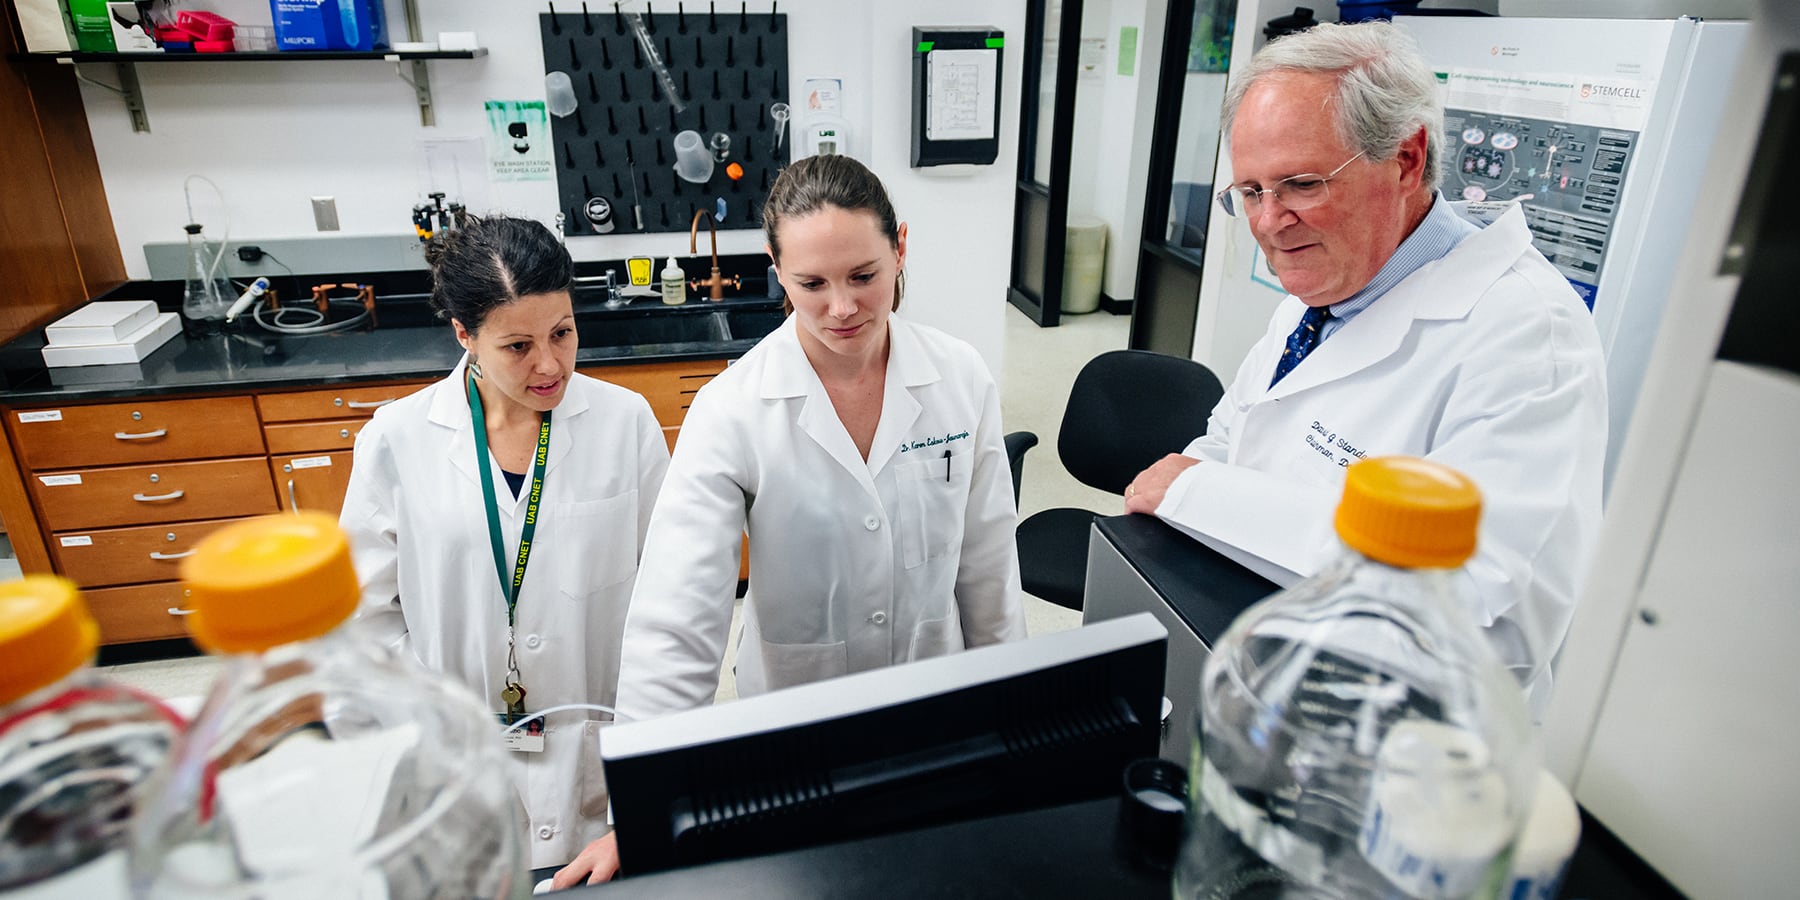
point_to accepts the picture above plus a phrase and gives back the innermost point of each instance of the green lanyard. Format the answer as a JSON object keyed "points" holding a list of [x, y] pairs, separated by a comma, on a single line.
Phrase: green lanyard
{"points": [[509, 590]]}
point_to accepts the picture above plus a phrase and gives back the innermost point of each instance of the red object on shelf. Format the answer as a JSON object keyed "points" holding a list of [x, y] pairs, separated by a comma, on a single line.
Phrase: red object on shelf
{"points": [[214, 47], [205, 27]]}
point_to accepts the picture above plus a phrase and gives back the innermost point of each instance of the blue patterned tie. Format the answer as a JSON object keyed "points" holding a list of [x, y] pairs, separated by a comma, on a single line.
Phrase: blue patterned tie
{"points": [[1301, 342]]}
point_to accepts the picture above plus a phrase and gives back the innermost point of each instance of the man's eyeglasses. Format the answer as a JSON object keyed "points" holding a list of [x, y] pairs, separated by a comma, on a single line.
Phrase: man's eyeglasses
{"points": [[1296, 193]]}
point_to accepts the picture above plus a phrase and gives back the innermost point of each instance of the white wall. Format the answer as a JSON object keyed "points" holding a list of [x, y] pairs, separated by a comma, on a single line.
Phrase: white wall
{"points": [[1108, 163], [274, 134]]}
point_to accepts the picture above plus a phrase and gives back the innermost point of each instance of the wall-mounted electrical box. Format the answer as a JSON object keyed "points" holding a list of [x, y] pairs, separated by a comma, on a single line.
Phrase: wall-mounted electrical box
{"points": [[956, 95]]}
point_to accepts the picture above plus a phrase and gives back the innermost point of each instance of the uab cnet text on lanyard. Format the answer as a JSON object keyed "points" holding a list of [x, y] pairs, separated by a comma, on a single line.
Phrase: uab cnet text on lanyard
{"points": [[513, 694]]}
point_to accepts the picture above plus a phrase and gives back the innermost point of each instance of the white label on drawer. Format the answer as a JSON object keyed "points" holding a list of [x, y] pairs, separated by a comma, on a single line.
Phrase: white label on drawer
{"points": [[79, 540], [55, 480], [42, 415], [311, 462]]}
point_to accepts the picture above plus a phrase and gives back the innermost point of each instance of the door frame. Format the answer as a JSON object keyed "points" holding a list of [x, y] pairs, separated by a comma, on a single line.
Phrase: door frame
{"points": [[1045, 310], [1165, 311]]}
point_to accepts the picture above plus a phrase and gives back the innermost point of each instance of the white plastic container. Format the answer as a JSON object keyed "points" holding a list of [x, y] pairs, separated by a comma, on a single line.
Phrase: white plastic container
{"points": [[100, 322], [129, 349], [674, 284]]}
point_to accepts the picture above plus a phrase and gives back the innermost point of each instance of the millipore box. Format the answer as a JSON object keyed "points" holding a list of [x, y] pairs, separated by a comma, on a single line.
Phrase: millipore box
{"points": [[329, 24]]}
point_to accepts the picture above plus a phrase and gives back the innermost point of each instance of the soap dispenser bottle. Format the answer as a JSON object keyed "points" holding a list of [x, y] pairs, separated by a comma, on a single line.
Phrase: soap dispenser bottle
{"points": [[674, 284]]}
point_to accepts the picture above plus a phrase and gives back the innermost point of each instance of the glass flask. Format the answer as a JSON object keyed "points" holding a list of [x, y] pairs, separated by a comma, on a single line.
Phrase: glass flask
{"points": [[1357, 737], [206, 296]]}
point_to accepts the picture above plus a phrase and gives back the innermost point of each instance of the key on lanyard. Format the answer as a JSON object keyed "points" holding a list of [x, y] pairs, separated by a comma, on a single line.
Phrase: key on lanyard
{"points": [[513, 695]]}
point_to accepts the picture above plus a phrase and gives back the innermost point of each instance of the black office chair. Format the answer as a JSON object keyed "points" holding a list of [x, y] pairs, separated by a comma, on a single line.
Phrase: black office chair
{"points": [[1017, 443], [1127, 409]]}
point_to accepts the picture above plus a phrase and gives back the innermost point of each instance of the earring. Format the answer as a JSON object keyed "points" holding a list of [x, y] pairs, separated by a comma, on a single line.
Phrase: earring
{"points": [[474, 367]]}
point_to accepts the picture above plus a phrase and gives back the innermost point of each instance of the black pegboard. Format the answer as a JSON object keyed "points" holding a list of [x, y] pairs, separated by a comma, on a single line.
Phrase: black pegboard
{"points": [[730, 67]]}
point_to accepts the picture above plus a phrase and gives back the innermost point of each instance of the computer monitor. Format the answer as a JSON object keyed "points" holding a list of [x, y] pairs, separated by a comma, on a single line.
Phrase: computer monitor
{"points": [[998, 729]]}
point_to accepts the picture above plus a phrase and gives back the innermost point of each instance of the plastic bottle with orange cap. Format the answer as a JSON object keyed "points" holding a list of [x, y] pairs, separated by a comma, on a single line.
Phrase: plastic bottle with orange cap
{"points": [[75, 749], [320, 765], [1357, 737]]}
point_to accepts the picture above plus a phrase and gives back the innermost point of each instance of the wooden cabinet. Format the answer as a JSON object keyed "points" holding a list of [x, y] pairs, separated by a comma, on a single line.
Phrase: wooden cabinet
{"points": [[115, 494], [312, 481]]}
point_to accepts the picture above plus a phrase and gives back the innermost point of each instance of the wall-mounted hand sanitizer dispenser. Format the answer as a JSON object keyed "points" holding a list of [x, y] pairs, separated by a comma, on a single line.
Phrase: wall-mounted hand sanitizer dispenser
{"points": [[826, 135]]}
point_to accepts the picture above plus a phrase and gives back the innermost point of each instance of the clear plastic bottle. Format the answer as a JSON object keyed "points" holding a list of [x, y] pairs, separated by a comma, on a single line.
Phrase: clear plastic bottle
{"points": [[75, 750], [1357, 737], [321, 765], [206, 296]]}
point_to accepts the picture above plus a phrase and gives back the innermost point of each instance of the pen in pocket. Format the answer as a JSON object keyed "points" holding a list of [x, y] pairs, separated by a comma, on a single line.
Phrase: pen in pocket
{"points": [[946, 467]]}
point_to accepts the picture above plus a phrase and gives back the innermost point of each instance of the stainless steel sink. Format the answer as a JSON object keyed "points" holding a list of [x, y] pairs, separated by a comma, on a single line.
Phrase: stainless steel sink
{"points": [[667, 328]]}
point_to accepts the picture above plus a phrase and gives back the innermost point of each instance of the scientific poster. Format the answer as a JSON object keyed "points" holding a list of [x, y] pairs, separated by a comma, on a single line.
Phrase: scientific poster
{"points": [[519, 146]]}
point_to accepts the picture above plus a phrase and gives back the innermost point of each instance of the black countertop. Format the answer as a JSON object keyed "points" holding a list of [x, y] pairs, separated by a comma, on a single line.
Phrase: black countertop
{"points": [[407, 345]]}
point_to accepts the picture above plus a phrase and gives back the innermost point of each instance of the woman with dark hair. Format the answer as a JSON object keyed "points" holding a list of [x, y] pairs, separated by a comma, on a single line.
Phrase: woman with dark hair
{"points": [[498, 515]]}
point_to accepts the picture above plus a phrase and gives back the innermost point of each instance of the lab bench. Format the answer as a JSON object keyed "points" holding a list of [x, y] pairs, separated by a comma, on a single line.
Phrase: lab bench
{"points": [[109, 474]]}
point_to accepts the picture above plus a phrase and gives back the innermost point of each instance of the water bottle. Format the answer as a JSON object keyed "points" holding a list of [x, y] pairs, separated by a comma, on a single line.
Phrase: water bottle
{"points": [[1357, 737], [206, 296], [75, 750], [319, 764]]}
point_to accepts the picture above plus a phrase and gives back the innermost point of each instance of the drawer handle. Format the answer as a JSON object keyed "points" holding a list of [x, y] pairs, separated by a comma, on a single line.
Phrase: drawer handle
{"points": [[178, 611], [142, 436], [152, 498], [370, 404], [158, 554], [293, 505]]}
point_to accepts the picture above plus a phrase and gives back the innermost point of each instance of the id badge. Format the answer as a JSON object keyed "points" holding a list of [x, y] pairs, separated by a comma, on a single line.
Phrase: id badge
{"points": [[529, 739]]}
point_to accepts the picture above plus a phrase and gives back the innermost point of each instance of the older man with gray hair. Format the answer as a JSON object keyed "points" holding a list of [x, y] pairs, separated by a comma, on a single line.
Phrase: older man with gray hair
{"points": [[1413, 326]]}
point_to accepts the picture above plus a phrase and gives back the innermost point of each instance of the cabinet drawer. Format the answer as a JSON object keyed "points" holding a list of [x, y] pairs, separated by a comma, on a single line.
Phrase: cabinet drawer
{"points": [[128, 555], [314, 482], [140, 495], [113, 433], [350, 400], [138, 613], [669, 386], [301, 437]]}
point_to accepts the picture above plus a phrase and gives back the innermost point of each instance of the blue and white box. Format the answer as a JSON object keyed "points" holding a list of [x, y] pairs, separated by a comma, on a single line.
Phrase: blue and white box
{"points": [[330, 24]]}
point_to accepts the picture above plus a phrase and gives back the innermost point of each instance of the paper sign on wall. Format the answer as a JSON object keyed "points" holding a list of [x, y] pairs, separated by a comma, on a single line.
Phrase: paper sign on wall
{"points": [[519, 146]]}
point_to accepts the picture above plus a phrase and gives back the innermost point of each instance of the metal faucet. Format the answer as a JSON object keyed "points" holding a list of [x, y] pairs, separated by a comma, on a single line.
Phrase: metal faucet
{"points": [[714, 284], [615, 295]]}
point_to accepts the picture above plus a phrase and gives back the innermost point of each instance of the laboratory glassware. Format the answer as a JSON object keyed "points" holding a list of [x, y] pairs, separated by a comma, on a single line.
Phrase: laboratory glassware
{"points": [[75, 749], [1357, 735], [206, 296], [321, 764]]}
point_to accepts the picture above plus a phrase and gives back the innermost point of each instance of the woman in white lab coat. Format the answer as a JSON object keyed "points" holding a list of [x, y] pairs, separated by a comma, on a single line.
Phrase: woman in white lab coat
{"points": [[862, 453], [513, 444]]}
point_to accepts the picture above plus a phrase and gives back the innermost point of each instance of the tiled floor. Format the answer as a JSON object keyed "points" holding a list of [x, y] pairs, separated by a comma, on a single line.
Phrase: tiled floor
{"points": [[1040, 366]]}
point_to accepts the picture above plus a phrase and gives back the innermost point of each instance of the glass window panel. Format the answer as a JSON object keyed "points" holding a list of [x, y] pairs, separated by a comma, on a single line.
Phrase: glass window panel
{"points": [[1197, 133], [1040, 157]]}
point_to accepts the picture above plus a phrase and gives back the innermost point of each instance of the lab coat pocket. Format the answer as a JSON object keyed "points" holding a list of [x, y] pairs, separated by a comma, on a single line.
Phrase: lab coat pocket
{"points": [[592, 776], [935, 637], [933, 496], [596, 542], [764, 666]]}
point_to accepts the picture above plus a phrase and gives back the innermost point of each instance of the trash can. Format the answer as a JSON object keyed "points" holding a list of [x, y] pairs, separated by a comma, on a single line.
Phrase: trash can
{"points": [[1084, 261]]}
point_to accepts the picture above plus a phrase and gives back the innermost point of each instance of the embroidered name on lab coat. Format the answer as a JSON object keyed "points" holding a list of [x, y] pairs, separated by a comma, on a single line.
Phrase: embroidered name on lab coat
{"points": [[907, 446], [1328, 444]]}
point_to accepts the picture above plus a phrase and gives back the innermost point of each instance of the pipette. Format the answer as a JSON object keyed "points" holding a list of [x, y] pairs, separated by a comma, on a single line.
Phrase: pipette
{"points": [[250, 295]]}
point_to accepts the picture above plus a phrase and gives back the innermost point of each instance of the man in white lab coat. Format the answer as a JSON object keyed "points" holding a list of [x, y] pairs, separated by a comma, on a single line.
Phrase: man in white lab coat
{"points": [[1413, 326]]}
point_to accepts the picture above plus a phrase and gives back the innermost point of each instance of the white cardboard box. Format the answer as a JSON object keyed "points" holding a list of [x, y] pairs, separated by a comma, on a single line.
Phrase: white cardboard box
{"points": [[133, 348], [105, 322]]}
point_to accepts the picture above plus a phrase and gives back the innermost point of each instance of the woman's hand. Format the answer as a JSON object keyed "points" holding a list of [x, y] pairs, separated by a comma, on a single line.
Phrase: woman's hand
{"points": [[599, 861]]}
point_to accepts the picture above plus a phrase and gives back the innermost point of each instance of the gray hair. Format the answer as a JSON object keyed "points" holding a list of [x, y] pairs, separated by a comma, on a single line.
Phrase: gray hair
{"points": [[1386, 91]]}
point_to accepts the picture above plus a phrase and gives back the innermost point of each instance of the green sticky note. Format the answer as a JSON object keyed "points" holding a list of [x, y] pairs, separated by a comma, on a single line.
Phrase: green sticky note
{"points": [[1128, 50]]}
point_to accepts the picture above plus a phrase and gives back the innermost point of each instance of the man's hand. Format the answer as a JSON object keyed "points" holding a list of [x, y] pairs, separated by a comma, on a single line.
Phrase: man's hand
{"points": [[1145, 492], [599, 861]]}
